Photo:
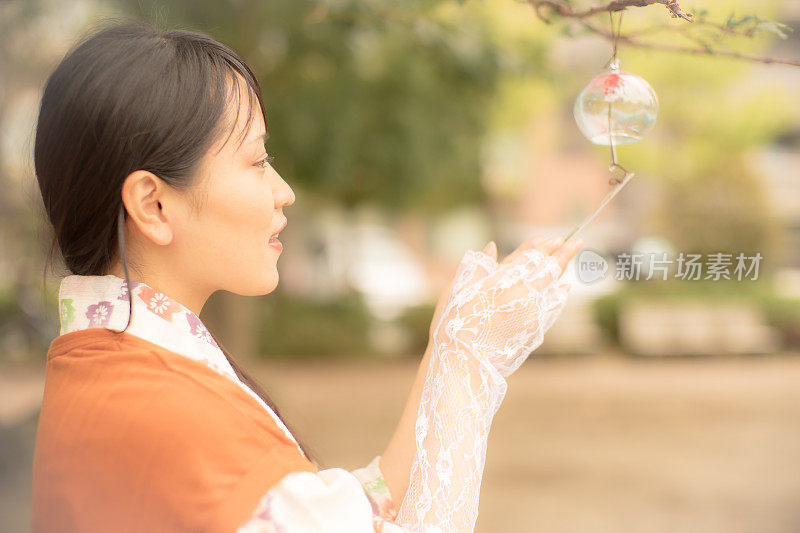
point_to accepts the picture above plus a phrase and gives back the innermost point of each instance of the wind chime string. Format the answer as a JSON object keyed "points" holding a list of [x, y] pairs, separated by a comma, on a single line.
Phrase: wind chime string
{"points": [[617, 182], [614, 39]]}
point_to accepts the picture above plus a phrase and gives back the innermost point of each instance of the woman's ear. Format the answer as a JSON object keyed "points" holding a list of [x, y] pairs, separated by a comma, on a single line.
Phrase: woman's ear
{"points": [[144, 194]]}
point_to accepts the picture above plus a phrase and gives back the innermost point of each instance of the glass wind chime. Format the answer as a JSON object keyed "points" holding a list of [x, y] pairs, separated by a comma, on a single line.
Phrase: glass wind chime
{"points": [[615, 108]]}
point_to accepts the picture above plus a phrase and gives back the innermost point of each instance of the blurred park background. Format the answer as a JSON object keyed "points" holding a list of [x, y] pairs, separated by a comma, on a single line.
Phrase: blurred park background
{"points": [[413, 131]]}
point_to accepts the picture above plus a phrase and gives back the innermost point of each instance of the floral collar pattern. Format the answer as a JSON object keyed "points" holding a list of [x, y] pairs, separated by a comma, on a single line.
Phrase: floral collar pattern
{"points": [[103, 302]]}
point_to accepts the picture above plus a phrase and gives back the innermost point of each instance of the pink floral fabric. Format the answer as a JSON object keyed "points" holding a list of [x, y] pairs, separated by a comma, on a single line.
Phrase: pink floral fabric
{"points": [[375, 486], [356, 501], [99, 314], [329, 500], [159, 303], [103, 301]]}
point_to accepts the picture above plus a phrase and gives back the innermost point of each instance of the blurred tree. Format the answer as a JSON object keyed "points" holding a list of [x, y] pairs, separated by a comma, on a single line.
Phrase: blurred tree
{"points": [[367, 102], [34, 35], [722, 211], [715, 111], [374, 101], [364, 103]]}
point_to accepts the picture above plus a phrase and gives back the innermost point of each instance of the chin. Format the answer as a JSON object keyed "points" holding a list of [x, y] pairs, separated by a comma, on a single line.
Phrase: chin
{"points": [[250, 282], [263, 286]]}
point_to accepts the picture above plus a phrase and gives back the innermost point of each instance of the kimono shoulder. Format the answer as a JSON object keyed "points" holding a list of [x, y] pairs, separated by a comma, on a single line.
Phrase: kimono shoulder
{"points": [[132, 437]]}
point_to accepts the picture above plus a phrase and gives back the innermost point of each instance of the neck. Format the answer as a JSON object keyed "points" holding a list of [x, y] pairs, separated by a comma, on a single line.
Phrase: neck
{"points": [[179, 289]]}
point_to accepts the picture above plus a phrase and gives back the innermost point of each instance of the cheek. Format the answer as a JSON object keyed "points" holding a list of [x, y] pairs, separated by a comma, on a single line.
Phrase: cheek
{"points": [[236, 221]]}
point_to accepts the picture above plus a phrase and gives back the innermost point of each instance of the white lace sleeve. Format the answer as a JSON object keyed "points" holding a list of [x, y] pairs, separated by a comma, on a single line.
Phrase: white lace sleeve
{"points": [[494, 317]]}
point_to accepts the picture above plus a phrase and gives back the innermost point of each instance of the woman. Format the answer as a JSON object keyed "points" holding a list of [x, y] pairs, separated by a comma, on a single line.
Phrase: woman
{"points": [[150, 159]]}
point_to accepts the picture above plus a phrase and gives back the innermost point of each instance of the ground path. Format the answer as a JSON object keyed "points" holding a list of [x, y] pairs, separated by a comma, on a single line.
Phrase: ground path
{"points": [[591, 445]]}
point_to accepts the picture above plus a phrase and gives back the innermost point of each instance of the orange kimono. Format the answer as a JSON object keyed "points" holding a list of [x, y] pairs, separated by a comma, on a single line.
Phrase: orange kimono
{"points": [[151, 430], [140, 438]]}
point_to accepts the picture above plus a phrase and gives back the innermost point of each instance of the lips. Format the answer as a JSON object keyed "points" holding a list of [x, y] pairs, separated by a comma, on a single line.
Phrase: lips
{"points": [[280, 228]]}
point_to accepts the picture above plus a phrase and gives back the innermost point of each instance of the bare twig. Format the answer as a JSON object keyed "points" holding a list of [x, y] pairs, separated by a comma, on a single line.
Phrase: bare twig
{"points": [[565, 10], [630, 41], [682, 29], [543, 8], [709, 52]]}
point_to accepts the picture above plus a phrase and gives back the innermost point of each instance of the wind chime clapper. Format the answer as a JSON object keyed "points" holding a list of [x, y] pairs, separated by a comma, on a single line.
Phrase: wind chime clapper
{"points": [[615, 108]]}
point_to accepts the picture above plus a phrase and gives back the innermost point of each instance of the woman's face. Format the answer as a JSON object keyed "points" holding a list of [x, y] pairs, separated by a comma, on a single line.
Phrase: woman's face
{"points": [[241, 199]]}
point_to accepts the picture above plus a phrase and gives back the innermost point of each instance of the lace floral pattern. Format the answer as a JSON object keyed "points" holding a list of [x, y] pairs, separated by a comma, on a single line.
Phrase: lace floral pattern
{"points": [[495, 315], [94, 301]]}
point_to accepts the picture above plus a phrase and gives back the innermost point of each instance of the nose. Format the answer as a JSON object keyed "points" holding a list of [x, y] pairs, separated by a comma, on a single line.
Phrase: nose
{"points": [[284, 195]]}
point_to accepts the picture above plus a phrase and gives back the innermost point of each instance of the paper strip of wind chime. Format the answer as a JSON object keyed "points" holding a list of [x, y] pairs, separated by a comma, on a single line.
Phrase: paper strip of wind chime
{"points": [[615, 108]]}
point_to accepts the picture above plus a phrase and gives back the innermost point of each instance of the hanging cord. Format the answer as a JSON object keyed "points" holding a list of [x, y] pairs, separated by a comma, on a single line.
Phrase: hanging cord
{"points": [[615, 34], [243, 376], [613, 64], [123, 256], [616, 181]]}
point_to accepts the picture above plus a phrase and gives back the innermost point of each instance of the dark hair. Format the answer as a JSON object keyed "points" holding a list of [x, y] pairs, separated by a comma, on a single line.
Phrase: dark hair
{"points": [[128, 98]]}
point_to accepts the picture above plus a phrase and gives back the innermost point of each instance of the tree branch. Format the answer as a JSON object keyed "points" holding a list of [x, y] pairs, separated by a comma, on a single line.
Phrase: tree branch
{"points": [[561, 8], [630, 41], [710, 52], [566, 10]]}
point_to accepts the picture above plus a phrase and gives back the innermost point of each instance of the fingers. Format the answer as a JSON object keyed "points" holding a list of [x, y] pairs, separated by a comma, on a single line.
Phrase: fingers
{"points": [[567, 251], [555, 299], [555, 246], [534, 243], [491, 250], [475, 266], [542, 244], [557, 255], [551, 245]]}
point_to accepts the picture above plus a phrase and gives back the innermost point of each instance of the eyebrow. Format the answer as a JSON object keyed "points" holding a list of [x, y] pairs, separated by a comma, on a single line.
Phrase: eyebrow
{"points": [[263, 137]]}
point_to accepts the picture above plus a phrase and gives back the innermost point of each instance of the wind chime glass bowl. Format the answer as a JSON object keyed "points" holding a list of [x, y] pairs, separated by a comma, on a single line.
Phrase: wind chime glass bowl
{"points": [[631, 102]]}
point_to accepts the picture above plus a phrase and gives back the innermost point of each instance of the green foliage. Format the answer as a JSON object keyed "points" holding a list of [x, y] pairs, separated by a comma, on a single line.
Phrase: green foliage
{"points": [[713, 114], [308, 328], [9, 320], [783, 314], [606, 311], [366, 101], [390, 102], [8, 306], [722, 210], [751, 25], [417, 322], [779, 311], [292, 327]]}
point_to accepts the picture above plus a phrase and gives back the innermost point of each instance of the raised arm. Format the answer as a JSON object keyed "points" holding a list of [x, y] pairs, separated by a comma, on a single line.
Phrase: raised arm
{"points": [[487, 322]]}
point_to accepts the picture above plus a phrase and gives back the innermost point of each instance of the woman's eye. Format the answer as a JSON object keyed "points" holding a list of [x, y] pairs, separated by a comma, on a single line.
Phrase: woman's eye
{"points": [[264, 162]]}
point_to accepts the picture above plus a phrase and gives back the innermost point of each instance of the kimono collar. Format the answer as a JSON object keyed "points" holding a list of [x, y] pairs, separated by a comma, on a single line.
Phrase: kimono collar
{"points": [[102, 302]]}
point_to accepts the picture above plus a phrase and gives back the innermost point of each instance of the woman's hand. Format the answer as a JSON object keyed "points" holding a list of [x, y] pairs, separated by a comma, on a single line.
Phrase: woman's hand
{"points": [[502, 310]]}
